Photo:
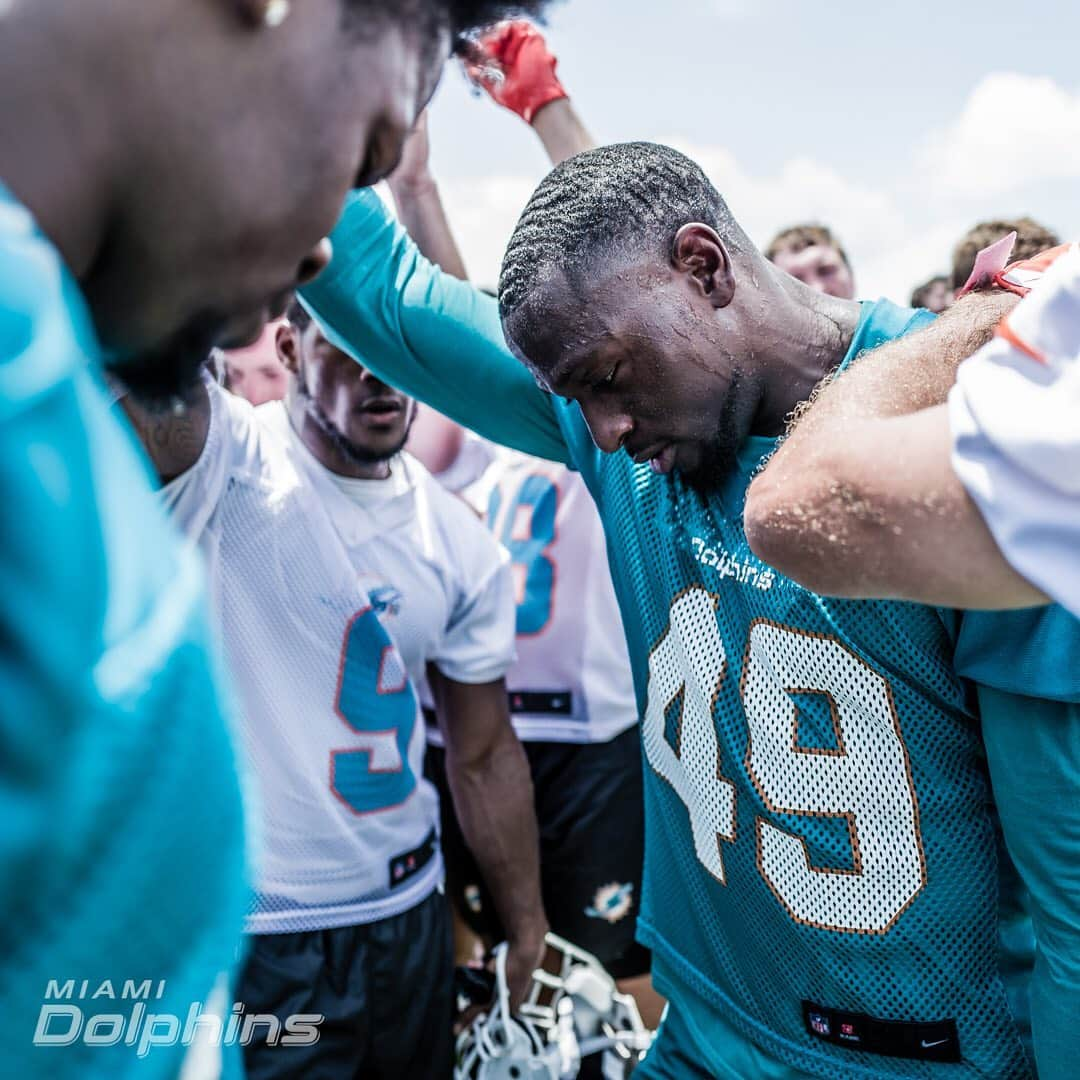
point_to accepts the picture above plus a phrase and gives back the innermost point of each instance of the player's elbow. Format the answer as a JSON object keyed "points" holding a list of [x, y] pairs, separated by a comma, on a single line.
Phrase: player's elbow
{"points": [[814, 528], [777, 520]]}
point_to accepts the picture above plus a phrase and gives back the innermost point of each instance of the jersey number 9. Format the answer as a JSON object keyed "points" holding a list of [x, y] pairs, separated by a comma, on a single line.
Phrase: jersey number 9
{"points": [[375, 700]]}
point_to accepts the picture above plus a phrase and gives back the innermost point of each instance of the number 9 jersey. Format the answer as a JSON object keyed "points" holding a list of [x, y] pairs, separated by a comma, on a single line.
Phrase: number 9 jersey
{"points": [[329, 715]]}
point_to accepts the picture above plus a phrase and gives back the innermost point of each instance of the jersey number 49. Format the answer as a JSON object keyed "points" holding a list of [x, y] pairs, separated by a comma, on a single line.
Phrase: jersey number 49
{"points": [[865, 780]]}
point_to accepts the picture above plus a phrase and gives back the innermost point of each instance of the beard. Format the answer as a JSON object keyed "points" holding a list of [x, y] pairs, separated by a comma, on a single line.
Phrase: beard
{"points": [[718, 457], [159, 375], [353, 452]]}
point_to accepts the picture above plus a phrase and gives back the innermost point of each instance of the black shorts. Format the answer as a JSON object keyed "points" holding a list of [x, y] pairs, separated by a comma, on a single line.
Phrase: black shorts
{"points": [[385, 990], [590, 809]]}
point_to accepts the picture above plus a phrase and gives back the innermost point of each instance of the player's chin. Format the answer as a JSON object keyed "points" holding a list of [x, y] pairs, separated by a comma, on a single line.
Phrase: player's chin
{"points": [[158, 373], [702, 468]]}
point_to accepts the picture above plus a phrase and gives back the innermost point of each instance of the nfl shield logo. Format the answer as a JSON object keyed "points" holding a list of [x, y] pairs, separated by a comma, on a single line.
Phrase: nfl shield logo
{"points": [[820, 1023]]}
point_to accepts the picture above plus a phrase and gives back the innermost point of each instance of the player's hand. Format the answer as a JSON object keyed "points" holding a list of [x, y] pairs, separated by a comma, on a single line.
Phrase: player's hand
{"points": [[523, 957], [513, 64], [412, 173]]}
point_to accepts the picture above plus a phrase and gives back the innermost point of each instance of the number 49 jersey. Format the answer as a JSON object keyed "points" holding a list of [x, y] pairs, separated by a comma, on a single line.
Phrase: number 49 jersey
{"points": [[822, 875]]}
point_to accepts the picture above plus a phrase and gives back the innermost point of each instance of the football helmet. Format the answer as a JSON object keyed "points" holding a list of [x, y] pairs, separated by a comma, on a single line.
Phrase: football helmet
{"points": [[566, 1016]]}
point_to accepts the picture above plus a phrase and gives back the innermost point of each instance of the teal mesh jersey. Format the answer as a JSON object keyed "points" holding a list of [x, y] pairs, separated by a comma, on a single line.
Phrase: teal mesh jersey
{"points": [[121, 845], [822, 849]]}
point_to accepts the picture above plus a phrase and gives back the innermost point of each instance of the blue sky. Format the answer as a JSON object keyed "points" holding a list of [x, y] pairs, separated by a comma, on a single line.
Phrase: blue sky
{"points": [[900, 126]]}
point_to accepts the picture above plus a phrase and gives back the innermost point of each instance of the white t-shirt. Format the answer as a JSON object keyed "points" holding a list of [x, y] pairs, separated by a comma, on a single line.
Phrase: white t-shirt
{"points": [[1015, 418], [310, 590], [572, 680]]}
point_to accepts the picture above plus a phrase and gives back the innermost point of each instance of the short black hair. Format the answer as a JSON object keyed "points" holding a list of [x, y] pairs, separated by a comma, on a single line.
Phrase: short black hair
{"points": [[460, 17], [628, 198]]}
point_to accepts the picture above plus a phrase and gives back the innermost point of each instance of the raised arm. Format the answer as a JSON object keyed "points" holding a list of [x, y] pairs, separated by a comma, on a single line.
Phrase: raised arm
{"points": [[422, 330], [419, 205], [861, 499], [516, 68]]}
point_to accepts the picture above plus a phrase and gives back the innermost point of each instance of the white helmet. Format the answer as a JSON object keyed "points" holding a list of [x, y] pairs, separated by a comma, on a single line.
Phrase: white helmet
{"points": [[564, 1018]]}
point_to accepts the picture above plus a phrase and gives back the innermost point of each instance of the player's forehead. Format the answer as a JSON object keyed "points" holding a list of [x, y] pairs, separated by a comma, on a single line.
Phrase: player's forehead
{"points": [[568, 326], [808, 258]]}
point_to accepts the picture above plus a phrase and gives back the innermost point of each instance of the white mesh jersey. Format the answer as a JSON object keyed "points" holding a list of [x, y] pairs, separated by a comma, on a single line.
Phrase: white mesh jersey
{"points": [[329, 714], [1015, 417], [572, 680]]}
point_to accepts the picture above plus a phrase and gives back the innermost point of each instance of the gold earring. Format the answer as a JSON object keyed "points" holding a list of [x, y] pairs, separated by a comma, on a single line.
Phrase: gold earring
{"points": [[276, 12]]}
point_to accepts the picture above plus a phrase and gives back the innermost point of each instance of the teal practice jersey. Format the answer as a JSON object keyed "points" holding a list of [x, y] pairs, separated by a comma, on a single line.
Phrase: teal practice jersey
{"points": [[825, 875], [121, 849]]}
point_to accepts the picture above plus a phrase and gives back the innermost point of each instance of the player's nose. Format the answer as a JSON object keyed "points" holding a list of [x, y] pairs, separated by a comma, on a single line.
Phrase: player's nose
{"points": [[315, 262], [609, 430]]}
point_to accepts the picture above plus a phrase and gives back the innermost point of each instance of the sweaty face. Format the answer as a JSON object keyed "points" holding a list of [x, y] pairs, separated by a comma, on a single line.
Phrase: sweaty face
{"points": [[240, 185], [257, 373], [651, 364], [821, 268], [358, 416]]}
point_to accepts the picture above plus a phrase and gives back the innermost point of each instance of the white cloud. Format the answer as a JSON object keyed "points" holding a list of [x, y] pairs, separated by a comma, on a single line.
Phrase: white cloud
{"points": [[483, 214], [734, 9], [1013, 130]]}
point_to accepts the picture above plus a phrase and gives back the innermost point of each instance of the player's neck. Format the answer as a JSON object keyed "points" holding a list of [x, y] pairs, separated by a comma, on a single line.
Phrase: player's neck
{"points": [[810, 334], [376, 470], [56, 139]]}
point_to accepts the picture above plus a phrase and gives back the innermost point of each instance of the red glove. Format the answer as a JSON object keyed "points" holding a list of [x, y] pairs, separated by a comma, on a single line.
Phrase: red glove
{"points": [[516, 69]]}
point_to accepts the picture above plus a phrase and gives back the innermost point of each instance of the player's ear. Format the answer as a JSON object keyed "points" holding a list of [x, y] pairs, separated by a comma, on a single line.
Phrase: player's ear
{"points": [[698, 252], [265, 13], [287, 343]]}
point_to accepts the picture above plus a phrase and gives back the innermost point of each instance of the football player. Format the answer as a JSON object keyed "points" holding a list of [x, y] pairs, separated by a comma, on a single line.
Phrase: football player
{"points": [[343, 577], [825, 889], [136, 229], [571, 694]]}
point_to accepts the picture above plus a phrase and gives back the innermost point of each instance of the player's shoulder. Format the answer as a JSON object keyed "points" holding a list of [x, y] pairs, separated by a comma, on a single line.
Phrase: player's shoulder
{"points": [[882, 321], [256, 437], [443, 506], [462, 534], [46, 335]]}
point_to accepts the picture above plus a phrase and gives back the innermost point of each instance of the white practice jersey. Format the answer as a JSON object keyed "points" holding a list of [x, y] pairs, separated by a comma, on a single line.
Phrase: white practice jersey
{"points": [[572, 680], [303, 580], [1015, 417]]}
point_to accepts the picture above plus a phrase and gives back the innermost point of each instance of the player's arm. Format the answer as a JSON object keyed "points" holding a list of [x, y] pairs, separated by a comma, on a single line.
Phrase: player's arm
{"points": [[489, 779], [173, 433], [419, 204], [435, 337], [861, 499], [433, 438], [1033, 752], [513, 64]]}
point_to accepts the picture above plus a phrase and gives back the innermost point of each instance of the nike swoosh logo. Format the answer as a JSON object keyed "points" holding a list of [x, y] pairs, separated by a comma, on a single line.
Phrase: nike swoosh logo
{"points": [[926, 1045]]}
